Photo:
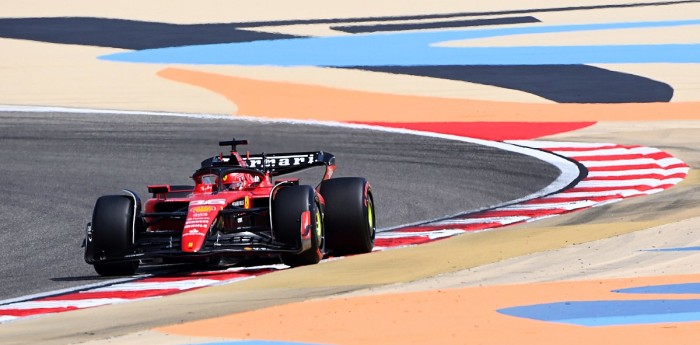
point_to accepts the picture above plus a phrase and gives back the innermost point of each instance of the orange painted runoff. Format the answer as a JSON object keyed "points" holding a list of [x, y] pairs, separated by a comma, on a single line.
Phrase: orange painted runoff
{"points": [[271, 99]]}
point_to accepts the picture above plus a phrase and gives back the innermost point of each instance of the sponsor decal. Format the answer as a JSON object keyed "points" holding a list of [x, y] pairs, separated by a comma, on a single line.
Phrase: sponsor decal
{"points": [[196, 224], [191, 226], [194, 232], [203, 209], [282, 161], [208, 202], [245, 203]]}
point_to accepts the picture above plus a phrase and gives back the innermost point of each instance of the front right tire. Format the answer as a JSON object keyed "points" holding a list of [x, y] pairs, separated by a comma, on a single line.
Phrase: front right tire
{"points": [[287, 208]]}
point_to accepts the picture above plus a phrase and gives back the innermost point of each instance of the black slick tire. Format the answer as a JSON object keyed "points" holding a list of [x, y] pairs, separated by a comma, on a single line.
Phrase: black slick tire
{"points": [[287, 208], [349, 215], [112, 231]]}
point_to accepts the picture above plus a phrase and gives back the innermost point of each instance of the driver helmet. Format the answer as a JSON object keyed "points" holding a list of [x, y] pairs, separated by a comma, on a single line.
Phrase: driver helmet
{"points": [[235, 181]]}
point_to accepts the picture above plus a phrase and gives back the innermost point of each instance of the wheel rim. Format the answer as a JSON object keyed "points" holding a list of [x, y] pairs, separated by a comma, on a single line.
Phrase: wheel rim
{"points": [[319, 225], [370, 214]]}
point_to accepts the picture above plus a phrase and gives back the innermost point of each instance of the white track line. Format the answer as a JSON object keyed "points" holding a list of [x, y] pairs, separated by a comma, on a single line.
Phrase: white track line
{"points": [[556, 144], [433, 235], [186, 284], [573, 205], [485, 220]]}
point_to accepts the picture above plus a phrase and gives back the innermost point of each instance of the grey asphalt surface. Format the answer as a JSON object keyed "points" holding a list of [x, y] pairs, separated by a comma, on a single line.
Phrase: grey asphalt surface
{"points": [[55, 165]]}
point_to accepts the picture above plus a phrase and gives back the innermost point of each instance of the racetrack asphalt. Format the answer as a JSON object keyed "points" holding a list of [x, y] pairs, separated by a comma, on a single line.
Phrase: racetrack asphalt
{"points": [[55, 165]]}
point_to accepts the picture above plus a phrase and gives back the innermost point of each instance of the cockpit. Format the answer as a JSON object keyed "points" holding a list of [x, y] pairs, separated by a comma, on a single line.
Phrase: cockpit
{"points": [[209, 180]]}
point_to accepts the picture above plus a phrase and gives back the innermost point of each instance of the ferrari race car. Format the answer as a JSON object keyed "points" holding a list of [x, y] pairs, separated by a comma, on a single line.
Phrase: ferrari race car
{"points": [[235, 210]]}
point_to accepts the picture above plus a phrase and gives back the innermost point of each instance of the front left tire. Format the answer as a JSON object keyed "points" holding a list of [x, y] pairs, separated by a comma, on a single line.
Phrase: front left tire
{"points": [[112, 231]]}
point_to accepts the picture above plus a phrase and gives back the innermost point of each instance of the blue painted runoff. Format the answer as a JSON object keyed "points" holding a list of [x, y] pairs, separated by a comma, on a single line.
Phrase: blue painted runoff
{"points": [[610, 313], [421, 49], [687, 288], [682, 249]]}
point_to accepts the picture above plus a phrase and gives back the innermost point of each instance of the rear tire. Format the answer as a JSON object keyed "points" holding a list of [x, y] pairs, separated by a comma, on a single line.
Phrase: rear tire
{"points": [[112, 231], [287, 208], [349, 215]]}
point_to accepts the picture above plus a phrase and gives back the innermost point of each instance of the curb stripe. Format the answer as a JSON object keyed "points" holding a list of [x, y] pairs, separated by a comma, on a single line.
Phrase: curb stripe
{"points": [[615, 172], [632, 189], [610, 152], [86, 303], [621, 164], [130, 295], [561, 199], [628, 183], [638, 166], [625, 157], [649, 171], [138, 286], [619, 177], [573, 194], [144, 288], [14, 314]]}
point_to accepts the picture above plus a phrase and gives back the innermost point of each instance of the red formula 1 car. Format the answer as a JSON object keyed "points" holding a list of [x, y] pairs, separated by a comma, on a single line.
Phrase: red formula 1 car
{"points": [[235, 209]]}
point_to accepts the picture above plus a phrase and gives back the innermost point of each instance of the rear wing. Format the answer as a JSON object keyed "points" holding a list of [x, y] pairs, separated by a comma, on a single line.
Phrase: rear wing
{"points": [[279, 163], [285, 163]]}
